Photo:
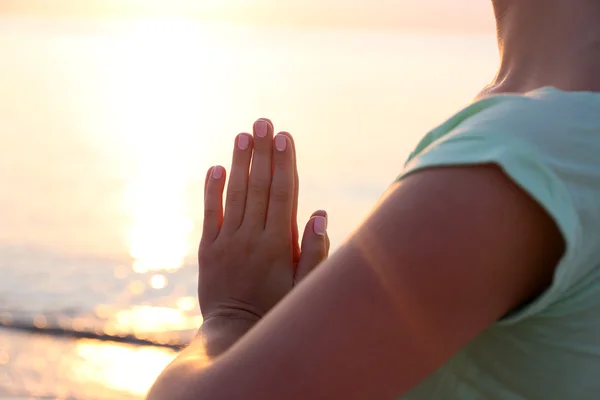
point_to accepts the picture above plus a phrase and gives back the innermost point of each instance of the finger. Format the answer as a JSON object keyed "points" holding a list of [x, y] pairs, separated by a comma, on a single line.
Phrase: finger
{"points": [[295, 234], [238, 183], [213, 203], [327, 241], [314, 246], [208, 174], [323, 213], [279, 216], [260, 176]]}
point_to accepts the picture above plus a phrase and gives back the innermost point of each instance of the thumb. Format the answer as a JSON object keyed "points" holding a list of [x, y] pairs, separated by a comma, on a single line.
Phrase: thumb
{"points": [[315, 245]]}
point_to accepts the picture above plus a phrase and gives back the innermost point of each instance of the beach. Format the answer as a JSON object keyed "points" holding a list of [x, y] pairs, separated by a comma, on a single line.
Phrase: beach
{"points": [[106, 131]]}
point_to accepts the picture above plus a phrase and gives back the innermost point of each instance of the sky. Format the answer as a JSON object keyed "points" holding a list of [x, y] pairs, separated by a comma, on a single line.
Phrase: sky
{"points": [[437, 15]]}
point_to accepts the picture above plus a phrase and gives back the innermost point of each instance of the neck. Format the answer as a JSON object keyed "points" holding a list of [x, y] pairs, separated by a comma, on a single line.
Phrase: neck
{"points": [[547, 43]]}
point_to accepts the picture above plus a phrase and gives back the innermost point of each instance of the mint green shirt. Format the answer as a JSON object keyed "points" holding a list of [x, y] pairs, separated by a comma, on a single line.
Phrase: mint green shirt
{"points": [[548, 142]]}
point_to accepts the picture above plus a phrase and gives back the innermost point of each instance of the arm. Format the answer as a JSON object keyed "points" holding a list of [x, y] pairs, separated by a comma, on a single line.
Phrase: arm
{"points": [[447, 253]]}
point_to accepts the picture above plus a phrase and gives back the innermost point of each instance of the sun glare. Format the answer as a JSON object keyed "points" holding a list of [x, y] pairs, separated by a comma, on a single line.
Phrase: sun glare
{"points": [[165, 93]]}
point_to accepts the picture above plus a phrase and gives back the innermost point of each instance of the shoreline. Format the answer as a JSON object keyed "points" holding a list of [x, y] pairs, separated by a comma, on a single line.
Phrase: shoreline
{"points": [[73, 334]]}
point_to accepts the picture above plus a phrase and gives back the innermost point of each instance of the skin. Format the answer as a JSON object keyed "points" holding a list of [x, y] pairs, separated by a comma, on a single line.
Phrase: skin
{"points": [[249, 254], [547, 43], [368, 322]]}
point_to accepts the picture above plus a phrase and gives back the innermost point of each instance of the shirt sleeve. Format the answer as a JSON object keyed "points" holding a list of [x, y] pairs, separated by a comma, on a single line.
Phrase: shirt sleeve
{"points": [[525, 166]]}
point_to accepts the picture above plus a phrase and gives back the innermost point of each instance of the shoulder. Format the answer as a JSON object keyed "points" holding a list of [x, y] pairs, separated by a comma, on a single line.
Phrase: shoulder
{"points": [[545, 118], [547, 144]]}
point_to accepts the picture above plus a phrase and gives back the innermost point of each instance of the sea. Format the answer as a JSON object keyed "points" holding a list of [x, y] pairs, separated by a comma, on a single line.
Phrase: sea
{"points": [[106, 131]]}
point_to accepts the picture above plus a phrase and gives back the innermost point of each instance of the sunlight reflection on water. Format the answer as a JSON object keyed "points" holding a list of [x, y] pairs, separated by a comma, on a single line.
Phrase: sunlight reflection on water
{"points": [[123, 368], [33, 366], [106, 177], [156, 319], [160, 114]]}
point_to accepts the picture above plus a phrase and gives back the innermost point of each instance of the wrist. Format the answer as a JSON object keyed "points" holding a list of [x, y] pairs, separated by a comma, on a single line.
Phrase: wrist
{"points": [[220, 332]]}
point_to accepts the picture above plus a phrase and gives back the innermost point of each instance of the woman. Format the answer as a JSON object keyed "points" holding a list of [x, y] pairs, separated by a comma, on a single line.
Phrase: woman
{"points": [[476, 277]]}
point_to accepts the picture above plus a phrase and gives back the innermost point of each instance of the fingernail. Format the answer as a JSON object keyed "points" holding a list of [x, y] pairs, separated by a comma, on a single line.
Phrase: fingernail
{"points": [[320, 226], [260, 127], [243, 141], [217, 172], [280, 142]]}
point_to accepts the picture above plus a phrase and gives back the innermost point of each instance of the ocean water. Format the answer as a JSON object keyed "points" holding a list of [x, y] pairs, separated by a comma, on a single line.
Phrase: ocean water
{"points": [[106, 131]]}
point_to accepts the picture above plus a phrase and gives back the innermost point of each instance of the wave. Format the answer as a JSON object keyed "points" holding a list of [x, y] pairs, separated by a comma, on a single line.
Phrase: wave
{"points": [[56, 331]]}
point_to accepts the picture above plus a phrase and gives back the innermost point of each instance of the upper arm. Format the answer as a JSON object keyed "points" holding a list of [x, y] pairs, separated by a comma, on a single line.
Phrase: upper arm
{"points": [[448, 252]]}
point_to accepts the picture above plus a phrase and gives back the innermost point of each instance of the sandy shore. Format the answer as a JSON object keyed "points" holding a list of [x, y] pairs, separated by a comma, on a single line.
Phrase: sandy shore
{"points": [[38, 366]]}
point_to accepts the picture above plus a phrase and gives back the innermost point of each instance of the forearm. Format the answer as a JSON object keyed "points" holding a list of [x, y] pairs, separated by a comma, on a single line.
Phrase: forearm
{"points": [[216, 336]]}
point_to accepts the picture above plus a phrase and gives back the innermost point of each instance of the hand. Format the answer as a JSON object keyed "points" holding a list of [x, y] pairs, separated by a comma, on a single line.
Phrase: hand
{"points": [[249, 255]]}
